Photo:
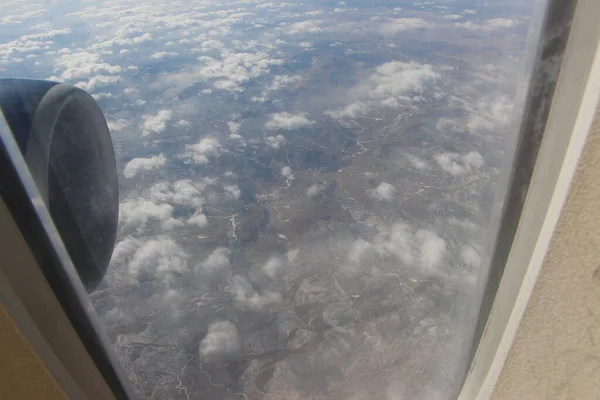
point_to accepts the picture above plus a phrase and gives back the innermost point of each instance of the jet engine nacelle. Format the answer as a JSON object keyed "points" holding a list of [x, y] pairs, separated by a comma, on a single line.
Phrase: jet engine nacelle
{"points": [[64, 138]]}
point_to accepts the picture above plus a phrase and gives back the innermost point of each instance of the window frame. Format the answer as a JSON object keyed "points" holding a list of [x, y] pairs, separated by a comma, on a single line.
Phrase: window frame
{"points": [[537, 181]]}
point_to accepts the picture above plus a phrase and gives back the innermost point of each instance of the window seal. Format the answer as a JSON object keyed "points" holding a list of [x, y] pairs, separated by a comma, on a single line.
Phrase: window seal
{"points": [[20, 196], [554, 144]]}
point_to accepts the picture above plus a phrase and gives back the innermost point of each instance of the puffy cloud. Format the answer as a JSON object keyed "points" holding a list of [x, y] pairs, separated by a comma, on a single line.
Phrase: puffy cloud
{"points": [[314, 189], [182, 123], [469, 11], [384, 191], [358, 249], [458, 165], [98, 81], [488, 114], [47, 34], [158, 256], [287, 121], [217, 260], [394, 84], [432, 248], [139, 165], [292, 255], [396, 25], [228, 85], [160, 55], [281, 81], [198, 219], [156, 123], [497, 23], [232, 192], [220, 343], [271, 267], [233, 70], [453, 16], [489, 25], [201, 152], [418, 163], [470, 256], [183, 192], [275, 142], [420, 248], [306, 45], [137, 213], [286, 171], [245, 297], [117, 125], [234, 127], [350, 111], [310, 26], [83, 64]]}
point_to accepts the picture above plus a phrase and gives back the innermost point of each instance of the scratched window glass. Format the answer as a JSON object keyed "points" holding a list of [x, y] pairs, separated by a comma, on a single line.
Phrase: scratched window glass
{"points": [[304, 187]]}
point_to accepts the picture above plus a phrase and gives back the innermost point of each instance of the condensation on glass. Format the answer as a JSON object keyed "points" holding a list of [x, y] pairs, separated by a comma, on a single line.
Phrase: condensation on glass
{"points": [[305, 189]]}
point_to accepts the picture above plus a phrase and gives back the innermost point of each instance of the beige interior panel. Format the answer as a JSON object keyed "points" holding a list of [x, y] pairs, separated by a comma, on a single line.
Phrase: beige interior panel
{"points": [[22, 374], [556, 352]]}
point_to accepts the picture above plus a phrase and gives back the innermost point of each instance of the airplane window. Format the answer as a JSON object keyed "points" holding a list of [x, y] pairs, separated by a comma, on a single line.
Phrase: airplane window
{"points": [[304, 189]]}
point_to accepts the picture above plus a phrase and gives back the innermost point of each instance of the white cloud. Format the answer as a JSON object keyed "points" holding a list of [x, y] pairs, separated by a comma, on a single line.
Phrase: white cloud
{"points": [[158, 256], [217, 260], [498, 23], [275, 142], [98, 81], [306, 45], [245, 297], [47, 34], [384, 191], [287, 121], [286, 171], [201, 152], [292, 255], [489, 25], [314, 189], [418, 163], [160, 55], [231, 71], [432, 248], [469, 11], [198, 219], [489, 114], [183, 192], [395, 83], [117, 125], [470, 256], [156, 123], [182, 123], [271, 267], [458, 165], [228, 85], [310, 26], [232, 192], [83, 64], [139, 165], [396, 25], [281, 81], [453, 16], [358, 249], [234, 127], [350, 111], [420, 248], [137, 213], [220, 343]]}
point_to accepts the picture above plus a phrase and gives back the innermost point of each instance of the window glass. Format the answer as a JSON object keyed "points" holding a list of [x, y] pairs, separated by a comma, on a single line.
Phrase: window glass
{"points": [[304, 187]]}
